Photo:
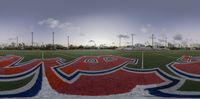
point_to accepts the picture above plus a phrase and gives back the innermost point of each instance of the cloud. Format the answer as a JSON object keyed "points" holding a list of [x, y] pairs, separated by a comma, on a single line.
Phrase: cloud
{"points": [[149, 25], [144, 30], [54, 23], [178, 37], [123, 36], [66, 27], [147, 28], [82, 34]]}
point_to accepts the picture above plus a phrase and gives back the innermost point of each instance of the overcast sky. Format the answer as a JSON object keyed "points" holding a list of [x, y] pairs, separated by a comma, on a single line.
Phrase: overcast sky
{"points": [[99, 20]]}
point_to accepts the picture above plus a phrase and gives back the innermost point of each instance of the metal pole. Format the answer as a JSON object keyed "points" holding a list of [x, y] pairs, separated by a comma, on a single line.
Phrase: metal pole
{"points": [[152, 40], [17, 42], [53, 40], [166, 42], [132, 39], [68, 42], [32, 39]]}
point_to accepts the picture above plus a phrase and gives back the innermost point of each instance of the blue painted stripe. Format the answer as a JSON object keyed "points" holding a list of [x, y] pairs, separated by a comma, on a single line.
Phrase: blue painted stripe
{"points": [[156, 90], [16, 76], [86, 72], [31, 92], [184, 74]]}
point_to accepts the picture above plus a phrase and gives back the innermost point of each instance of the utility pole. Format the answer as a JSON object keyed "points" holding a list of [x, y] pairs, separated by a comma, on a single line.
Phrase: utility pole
{"points": [[152, 40], [53, 41], [17, 42], [68, 42], [132, 39], [32, 40]]}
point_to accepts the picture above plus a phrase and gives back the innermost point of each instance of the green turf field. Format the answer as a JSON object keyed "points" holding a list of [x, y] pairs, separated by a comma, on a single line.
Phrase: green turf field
{"points": [[152, 59]]}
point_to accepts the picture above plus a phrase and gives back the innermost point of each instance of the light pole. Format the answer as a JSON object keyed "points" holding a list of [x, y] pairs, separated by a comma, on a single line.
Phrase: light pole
{"points": [[68, 42], [53, 41], [152, 40], [92, 41], [32, 40], [17, 41], [132, 39], [166, 44]]}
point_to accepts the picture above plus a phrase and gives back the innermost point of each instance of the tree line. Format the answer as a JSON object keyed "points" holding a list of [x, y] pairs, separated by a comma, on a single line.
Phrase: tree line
{"points": [[23, 46]]}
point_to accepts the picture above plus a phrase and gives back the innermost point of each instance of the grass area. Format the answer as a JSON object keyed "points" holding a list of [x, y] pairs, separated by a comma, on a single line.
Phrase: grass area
{"points": [[28, 55], [190, 86], [152, 59], [9, 85]]}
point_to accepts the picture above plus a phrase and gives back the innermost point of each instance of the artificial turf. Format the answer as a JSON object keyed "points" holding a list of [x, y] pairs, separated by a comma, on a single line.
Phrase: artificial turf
{"points": [[9, 85], [152, 59]]}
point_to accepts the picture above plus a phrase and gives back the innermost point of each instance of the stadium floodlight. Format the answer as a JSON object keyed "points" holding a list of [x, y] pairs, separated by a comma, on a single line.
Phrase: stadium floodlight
{"points": [[68, 42], [132, 39], [152, 40], [17, 41], [166, 42], [53, 47], [32, 40], [92, 41], [122, 36]]}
